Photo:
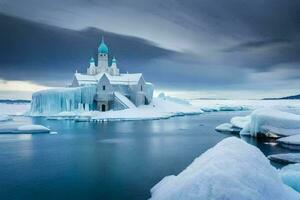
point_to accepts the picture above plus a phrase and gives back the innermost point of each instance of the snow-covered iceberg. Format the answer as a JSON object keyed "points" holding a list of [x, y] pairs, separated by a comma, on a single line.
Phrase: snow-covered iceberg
{"points": [[227, 127], [21, 127], [290, 175], [285, 157], [291, 142], [231, 170], [268, 122]]}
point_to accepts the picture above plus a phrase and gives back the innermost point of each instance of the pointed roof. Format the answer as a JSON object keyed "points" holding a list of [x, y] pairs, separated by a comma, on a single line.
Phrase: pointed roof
{"points": [[114, 60], [102, 47], [92, 60]]}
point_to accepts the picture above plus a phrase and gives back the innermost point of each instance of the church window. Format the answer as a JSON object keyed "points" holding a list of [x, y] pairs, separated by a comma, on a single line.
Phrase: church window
{"points": [[103, 87], [141, 88]]}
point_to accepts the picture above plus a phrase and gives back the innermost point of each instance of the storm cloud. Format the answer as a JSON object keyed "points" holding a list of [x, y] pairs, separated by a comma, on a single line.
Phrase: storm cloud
{"points": [[204, 44]]}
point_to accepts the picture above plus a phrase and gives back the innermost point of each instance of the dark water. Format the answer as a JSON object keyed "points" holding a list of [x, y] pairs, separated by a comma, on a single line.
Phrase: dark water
{"points": [[115, 160]]}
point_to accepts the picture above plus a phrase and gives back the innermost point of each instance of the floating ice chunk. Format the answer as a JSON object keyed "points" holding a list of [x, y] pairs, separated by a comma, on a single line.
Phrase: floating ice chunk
{"points": [[232, 108], [270, 122], [290, 175], [240, 122], [4, 118], [242, 167], [33, 129], [290, 140], [227, 127], [285, 157]]}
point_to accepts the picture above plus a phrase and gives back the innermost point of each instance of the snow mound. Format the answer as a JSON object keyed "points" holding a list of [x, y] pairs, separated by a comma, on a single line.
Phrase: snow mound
{"points": [[268, 122], [173, 99], [242, 167], [291, 140], [4, 118], [227, 127], [271, 121], [240, 122], [285, 157], [33, 129], [290, 175]]}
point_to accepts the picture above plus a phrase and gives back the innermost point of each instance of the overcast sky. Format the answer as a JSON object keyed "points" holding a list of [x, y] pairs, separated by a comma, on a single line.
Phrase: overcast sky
{"points": [[198, 48]]}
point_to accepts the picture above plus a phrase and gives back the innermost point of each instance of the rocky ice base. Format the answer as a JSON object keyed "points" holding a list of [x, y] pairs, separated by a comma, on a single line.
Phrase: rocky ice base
{"points": [[243, 168]]}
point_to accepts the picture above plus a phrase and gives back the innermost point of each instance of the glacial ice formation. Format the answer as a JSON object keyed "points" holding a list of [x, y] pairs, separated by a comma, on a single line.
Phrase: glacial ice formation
{"points": [[231, 170], [285, 157], [53, 101]]}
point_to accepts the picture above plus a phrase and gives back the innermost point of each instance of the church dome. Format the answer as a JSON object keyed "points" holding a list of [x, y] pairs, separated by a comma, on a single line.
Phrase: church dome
{"points": [[103, 48]]}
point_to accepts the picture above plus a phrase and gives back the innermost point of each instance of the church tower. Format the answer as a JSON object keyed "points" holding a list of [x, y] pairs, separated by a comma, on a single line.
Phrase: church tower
{"points": [[92, 68], [114, 68], [102, 57]]}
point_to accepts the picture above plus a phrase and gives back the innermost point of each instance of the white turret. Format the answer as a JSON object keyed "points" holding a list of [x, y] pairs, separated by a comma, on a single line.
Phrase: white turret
{"points": [[114, 69], [91, 70], [102, 57]]}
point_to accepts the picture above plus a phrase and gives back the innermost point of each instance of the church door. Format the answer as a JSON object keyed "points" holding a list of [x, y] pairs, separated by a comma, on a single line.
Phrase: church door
{"points": [[103, 107]]}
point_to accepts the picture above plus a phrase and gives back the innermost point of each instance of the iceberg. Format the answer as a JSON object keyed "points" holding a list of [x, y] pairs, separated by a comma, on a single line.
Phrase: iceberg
{"points": [[285, 157], [20, 128], [291, 142], [268, 122], [245, 171], [227, 127], [290, 175], [53, 101]]}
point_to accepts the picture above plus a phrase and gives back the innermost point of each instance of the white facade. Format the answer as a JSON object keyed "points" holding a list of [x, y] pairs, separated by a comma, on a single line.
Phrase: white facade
{"points": [[114, 90]]}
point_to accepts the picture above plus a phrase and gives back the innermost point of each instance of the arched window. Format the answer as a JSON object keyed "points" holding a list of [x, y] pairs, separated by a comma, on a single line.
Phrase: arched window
{"points": [[141, 87], [103, 87]]}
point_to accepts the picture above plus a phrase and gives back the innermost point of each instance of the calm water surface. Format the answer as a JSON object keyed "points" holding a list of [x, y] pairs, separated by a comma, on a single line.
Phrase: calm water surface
{"points": [[115, 160]]}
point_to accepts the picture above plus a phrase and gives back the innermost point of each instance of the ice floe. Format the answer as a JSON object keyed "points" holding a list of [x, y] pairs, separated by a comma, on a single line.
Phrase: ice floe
{"points": [[268, 122], [285, 157], [291, 142], [232, 170]]}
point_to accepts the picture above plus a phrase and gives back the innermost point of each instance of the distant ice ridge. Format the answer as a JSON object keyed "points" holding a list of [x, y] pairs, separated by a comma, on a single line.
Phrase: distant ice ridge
{"points": [[268, 122], [231, 170]]}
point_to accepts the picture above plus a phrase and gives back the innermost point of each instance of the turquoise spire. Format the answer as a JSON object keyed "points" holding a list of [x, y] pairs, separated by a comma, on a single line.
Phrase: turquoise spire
{"points": [[114, 60], [92, 61], [103, 48]]}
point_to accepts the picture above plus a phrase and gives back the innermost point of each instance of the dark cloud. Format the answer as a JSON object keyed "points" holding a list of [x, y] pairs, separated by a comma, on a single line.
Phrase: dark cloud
{"points": [[207, 43]]}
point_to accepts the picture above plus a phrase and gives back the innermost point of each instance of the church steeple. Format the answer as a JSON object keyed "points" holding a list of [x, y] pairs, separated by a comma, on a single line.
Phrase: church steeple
{"points": [[102, 57]]}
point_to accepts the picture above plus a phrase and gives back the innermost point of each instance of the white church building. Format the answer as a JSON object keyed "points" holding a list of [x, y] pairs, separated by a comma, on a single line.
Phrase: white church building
{"points": [[101, 88], [113, 90]]}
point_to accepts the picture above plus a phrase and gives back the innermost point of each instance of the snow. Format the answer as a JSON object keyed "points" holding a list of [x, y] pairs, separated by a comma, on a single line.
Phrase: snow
{"points": [[173, 99], [291, 140], [290, 175], [33, 128], [231, 170], [215, 105], [158, 109], [125, 79], [4, 118], [21, 127], [124, 100], [227, 127], [268, 122], [285, 157]]}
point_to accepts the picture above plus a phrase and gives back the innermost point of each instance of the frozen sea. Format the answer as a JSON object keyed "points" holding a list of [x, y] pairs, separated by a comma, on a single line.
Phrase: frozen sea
{"points": [[114, 160]]}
